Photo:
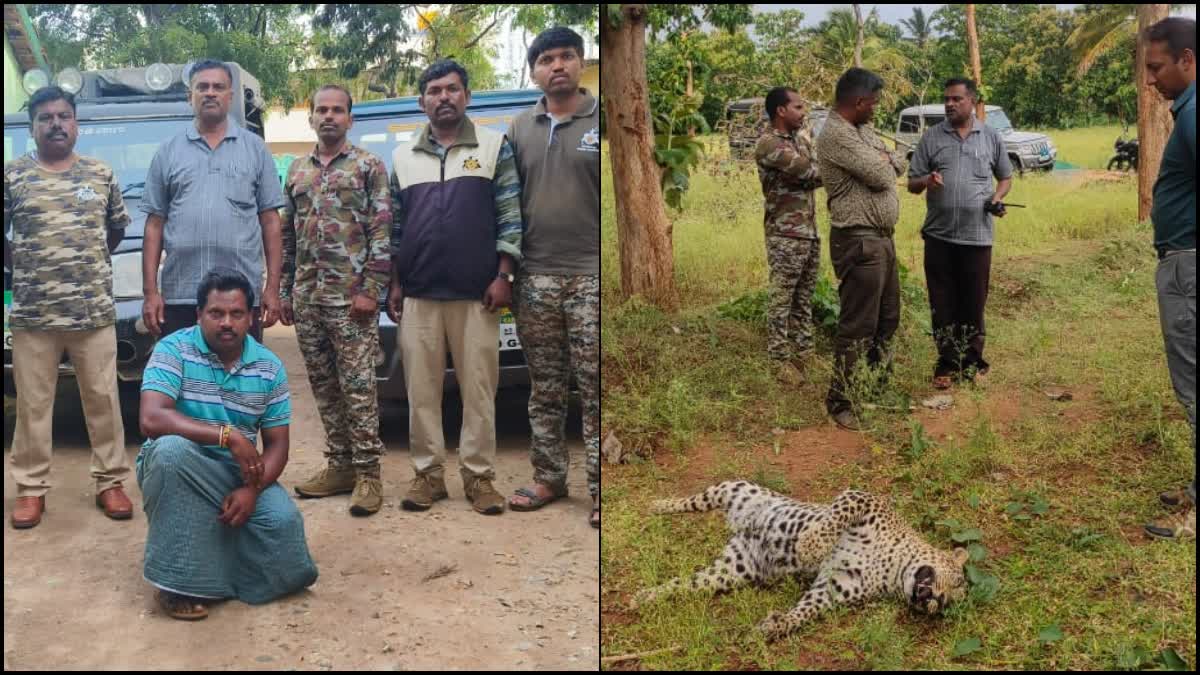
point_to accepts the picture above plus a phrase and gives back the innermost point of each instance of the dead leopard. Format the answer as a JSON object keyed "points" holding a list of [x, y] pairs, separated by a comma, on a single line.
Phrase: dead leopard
{"points": [[854, 549]]}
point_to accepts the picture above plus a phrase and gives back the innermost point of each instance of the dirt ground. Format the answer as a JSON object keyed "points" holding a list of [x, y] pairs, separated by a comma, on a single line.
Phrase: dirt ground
{"points": [[523, 593]]}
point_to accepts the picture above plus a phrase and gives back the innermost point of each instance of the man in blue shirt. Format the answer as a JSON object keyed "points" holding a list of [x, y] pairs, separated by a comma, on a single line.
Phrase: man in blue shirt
{"points": [[1171, 69], [219, 524]]}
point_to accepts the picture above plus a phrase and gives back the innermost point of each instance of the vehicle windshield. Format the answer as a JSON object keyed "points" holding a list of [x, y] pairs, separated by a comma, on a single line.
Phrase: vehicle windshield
{"points": [[127, 146], [997, 120]]}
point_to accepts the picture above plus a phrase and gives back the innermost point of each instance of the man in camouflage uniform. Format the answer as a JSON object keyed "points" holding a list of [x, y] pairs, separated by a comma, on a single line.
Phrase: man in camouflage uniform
{"points": [[66, 215], [336, 263], [789, 177], [557, 297]]}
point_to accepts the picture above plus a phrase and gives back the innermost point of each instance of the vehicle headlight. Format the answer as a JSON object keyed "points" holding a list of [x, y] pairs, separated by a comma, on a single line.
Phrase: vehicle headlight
{"points": [[127, 276]]}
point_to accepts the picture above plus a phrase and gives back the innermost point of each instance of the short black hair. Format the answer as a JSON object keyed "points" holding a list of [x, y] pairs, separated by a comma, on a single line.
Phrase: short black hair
{"points": [[439, 69], [224, 279], [966, 82], [1178, 32], [312, 103], [856, 82], [48, 94], [209, 64], [777, 97], [553, 38]]}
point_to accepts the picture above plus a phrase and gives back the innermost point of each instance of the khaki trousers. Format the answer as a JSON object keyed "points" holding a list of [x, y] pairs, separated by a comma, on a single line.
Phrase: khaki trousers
{"points": [[473, 335], [36, 355]]}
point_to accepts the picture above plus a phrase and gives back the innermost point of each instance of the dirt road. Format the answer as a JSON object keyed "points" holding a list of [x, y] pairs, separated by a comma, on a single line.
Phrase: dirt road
{"points": [[523, 593]]}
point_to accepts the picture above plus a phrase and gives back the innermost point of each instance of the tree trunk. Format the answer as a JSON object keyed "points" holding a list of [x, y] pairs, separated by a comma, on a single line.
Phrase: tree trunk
{"points": [[643, 230], [1154, 114], [973, 50], [858, 38]]}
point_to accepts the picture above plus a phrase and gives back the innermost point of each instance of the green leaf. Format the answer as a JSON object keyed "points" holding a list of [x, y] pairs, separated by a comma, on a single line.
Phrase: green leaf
{"points": [[1051, 633], [967, 646], [973, 534], [1013, 507], [973, 501], [1022, 516], [1040, 507], [1172, 660], [949, 523], [978, 551]]}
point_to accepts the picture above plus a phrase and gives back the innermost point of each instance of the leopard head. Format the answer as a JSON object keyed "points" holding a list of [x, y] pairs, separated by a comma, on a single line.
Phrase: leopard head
{"points": [[932, 583]]}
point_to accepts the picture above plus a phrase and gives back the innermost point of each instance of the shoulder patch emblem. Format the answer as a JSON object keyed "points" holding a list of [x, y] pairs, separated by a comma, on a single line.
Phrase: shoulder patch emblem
{"points": [[471, 164]]}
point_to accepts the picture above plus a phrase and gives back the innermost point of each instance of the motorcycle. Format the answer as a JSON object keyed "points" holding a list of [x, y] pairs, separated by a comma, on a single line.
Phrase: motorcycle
{"points": [[1126, 156]]}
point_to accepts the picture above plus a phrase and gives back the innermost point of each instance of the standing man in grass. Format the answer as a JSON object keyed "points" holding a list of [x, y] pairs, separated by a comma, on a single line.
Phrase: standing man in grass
{"points": [[789, 177], [957, 161], [860, 180], [1171, 69]]}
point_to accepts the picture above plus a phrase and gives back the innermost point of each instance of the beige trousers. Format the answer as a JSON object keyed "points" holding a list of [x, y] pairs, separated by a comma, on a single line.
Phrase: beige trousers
{"points": [[36, 355], [473, 335]]}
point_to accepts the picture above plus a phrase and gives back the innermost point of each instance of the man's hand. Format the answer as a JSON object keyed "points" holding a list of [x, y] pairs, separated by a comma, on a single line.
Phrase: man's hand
{"points": [[364, 309], [999, 211], [934, 180], [270, 308], [497, 295], [286, 315], [395, 302], [247, 457], [152, 313], [238, 507]]}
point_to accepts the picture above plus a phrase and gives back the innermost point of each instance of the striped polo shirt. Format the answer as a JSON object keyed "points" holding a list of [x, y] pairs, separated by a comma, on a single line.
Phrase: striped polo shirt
{"points": [[252, 396]]}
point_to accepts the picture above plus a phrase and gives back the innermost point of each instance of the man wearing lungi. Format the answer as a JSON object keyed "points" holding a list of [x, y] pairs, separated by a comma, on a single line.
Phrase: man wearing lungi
{"points": [[219, 524]]}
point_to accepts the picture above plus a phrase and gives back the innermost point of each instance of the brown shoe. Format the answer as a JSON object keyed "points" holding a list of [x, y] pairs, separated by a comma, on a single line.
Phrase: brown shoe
{"points": [[115, 504], [28, 512], [424, 491], [367, 497], [483, 496]]}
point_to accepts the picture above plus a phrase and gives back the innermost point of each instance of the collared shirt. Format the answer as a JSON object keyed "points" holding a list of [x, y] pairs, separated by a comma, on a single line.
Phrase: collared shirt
{"points": [[336, 227], [211, 200], [62, 276], [454, 210], [1174, 209], [788, 176], [954, 212], [559, 165], [860, 184], [252, 395]]}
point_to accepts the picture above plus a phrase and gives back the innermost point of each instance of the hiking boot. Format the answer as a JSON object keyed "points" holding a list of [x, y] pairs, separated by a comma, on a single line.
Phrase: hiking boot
{"points": [[329, 481], [367, 497], [1175, 498], [846, 420], [483, 496], [424, 491], [1177, 527]]}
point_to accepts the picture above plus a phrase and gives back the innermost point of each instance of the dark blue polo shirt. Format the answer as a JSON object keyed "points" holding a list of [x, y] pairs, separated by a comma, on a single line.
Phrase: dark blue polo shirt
{"points": [[1174, 210]]}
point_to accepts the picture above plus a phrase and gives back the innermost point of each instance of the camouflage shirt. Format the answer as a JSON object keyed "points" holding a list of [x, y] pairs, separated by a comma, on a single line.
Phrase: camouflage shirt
{"points": [[789, 177], [60, 224], [336, 228]]}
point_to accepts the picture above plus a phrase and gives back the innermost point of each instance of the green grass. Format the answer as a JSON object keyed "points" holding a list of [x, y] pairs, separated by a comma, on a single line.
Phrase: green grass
{"points": [[1072, 304]]}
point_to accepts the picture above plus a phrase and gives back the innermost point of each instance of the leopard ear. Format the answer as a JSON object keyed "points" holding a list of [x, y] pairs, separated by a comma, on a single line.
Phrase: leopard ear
{"points": [[961, 555]]}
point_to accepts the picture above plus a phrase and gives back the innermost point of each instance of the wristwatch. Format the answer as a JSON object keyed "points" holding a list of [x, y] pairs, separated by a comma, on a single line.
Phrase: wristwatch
{"points": [[506, 276]]}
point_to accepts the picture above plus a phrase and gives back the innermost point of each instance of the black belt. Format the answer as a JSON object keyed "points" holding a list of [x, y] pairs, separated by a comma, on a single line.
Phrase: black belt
{"points": [[1163, 253]]}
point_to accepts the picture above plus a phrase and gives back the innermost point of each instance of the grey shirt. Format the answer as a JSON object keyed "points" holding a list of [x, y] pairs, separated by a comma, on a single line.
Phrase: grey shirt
{"points": [[559, 164], [211, 200], [954, 212]]}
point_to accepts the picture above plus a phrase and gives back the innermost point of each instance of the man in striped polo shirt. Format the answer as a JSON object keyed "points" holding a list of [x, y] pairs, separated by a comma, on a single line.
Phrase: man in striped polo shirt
{"points": [[219, 525]]}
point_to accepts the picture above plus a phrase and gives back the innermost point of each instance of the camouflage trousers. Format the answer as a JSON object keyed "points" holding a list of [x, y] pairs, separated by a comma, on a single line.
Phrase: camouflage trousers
{"points": [[558, 321], [340, 354], [793, 264]]}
